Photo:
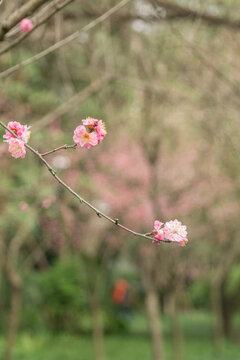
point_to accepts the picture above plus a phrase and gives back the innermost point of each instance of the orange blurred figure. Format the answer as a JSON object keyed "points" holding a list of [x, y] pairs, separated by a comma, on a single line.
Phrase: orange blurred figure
{"points": [[120, 292]]}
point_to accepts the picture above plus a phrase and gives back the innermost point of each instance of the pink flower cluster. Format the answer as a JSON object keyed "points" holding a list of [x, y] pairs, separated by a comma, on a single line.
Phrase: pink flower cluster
{"points": [[90, 133], [16, 146], [172, 230], [26, 25]]}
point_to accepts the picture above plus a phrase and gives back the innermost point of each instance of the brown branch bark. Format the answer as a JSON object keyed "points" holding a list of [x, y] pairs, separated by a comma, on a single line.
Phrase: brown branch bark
{"points": [[67, 40], [26, 10], [39, 21], [59, 148]]}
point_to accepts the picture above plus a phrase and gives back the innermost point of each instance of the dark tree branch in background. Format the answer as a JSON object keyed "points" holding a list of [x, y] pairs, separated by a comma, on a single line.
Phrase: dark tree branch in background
{"points": [[38, 21], [42, 11], [178, 12], [26, 10], [169, 11], [99, 213], [67, 40], [173, 11], [231, 84]]}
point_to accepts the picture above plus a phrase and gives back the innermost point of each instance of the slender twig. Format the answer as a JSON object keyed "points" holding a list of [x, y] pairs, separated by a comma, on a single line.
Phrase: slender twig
{"points": [[149, 234], [80, 198], [37, 22], [45, 9], [59, 148], [66, 40]]}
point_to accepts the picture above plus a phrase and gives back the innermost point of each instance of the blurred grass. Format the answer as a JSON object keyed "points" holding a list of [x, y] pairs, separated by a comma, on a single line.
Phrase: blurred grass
{"points": [[133, 345]]}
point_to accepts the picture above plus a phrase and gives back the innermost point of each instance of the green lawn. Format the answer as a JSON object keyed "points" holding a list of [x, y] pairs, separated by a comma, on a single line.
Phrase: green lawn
{"points": [[132, 346]]}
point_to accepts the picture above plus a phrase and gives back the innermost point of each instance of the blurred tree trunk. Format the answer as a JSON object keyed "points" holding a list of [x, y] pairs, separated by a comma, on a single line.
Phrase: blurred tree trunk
{"points": [[176, 327], [227, 308], [13, 319], [15, 281], [225, 260], [152, 149], [1, 258], [98, 332], [94, 275], [153, 314], [9, 7], [96, 256], [216, 301]]}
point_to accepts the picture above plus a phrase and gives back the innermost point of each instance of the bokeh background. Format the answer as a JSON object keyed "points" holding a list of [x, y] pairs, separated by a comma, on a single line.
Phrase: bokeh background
{"points": [[164, 76]]}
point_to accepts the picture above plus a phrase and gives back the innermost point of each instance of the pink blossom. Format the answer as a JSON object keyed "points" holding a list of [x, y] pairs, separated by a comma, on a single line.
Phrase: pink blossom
{"points": [[172, 230], [158, 231], [26, 25], [90, 133], [90, 122], [101, 131], [22, 131], [96, 125], [83, 138], [156, 242], [175, 231], [16, 148]]}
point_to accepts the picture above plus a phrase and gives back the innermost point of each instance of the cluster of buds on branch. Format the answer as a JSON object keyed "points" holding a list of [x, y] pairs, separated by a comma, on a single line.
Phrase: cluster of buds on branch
{"points": [[90, 133]]}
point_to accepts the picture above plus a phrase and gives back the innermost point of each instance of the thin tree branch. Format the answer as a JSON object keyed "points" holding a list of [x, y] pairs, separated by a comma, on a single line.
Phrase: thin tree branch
{"points": [[45, 9], [19, 14], [169, 11], [66, 40], [175, 12], [231, 84], [37, 22], [80, 198], [59, 148]]}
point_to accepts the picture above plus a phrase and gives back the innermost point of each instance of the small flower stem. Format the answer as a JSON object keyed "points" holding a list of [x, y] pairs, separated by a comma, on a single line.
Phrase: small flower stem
{"points": [[59, 148], [149, 234]]}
